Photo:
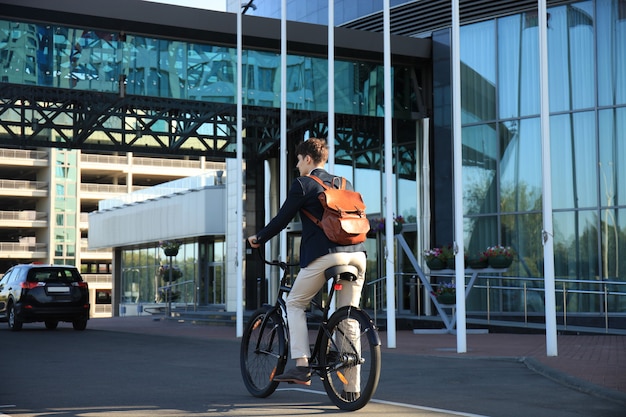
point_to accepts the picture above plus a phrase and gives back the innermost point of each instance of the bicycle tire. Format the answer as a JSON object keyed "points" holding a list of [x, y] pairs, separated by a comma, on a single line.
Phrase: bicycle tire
{"points": [[258, 367], [352, 366]]}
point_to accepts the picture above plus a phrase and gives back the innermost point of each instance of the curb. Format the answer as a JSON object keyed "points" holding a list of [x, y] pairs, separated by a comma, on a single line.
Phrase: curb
{"points": [[573, 382]]}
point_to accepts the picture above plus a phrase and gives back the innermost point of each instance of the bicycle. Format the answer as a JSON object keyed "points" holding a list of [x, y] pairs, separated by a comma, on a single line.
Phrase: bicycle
{"points": [[337, 357]]}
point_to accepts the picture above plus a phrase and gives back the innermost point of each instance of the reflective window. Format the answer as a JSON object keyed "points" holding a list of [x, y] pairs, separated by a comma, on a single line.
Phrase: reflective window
{"points": [[576, 245], [502, 151], [478, 72], [612, 149], [571, 57], [520, 166], [522, 232], [574, 165], [480, 163], [518, 65], [611, 32], [314, 11], [103, 61]]}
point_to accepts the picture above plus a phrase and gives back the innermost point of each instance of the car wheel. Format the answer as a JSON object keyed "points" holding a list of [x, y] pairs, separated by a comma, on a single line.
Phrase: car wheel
{"points": [[14, 323], [51, 324], [79, 324]]}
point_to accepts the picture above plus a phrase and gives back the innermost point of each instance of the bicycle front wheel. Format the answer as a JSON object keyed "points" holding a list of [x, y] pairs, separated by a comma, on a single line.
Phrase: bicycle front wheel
{"points": [[263, 352], [350, 355]]}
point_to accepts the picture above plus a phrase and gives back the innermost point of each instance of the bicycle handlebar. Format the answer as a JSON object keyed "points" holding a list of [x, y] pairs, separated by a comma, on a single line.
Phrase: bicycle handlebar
{"points": [[276, 262]]}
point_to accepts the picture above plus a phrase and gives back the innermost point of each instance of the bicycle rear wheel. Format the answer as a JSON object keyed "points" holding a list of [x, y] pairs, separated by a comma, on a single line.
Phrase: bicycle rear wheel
{"points": [[263, 352], [351, 355]]}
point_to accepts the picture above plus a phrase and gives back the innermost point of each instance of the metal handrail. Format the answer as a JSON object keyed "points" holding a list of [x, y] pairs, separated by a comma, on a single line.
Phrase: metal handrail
{"points": [[561, 288], [174, 285]]}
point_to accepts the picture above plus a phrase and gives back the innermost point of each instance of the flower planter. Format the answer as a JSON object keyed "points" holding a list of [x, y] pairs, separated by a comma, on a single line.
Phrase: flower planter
{"points": [[446, 298], [478, 263], [170, 251], [436, 264], [500, 261]]}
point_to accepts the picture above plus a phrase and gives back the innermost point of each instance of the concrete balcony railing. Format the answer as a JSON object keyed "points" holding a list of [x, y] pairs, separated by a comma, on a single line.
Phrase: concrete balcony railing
{"points": [[103, 159], [23, 188], [111, 161], [98, 278], [25, 218], [83, 221], [22, 157], [85, 252], [103, 188], [23, 250]]}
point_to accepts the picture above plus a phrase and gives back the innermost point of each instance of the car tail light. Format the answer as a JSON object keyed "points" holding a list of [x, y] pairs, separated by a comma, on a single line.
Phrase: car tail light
{"points": [[29, 285], [81, 284]]}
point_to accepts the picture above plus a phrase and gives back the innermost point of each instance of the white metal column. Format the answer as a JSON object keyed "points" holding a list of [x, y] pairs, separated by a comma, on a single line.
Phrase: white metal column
{"points": [[548, 233], [239, 251], [331, 86], [461, 327], [283, 119], [389, 199]]}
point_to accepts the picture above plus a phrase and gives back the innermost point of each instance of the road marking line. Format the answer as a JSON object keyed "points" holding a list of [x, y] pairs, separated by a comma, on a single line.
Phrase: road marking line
{"points": [[397, 404]]}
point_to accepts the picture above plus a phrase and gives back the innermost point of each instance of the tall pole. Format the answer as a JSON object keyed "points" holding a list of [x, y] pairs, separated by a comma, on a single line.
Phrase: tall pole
{"points": [[331, 98], [239, 226], [548, 233], [331, 85], [283, 118], [389, 197], [461, 325]]}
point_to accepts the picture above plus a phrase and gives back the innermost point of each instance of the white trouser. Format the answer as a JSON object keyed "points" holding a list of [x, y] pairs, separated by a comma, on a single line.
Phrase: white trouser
{"points": [[307, 284]]}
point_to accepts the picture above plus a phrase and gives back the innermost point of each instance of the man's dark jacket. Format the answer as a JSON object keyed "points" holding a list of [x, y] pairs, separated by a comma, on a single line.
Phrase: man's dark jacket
{"points": [[303, 194]]}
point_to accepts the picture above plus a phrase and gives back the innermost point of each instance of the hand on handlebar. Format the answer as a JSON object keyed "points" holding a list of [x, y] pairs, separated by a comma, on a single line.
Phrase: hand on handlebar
{"points": [[253, 242]]}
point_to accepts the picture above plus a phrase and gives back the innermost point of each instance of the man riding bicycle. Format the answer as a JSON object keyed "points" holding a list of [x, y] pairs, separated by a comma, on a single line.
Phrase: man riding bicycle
{"points": [[317, 253]]}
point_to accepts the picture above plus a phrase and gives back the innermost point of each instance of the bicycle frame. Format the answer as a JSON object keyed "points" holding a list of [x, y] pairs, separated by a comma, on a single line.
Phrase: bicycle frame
{"points": [[346, 353], [281, 306]]}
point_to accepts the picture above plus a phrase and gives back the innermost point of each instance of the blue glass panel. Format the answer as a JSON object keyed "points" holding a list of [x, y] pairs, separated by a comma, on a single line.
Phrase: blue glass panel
{"points": [[138, 65], [574, 161], [479, 232], [613, 242], [478, 72], [612, 151], [520, 166], [521, 232], [480, 164], [369, 182], [611, 32], [576, 254], [518, 66], [571, 57]]}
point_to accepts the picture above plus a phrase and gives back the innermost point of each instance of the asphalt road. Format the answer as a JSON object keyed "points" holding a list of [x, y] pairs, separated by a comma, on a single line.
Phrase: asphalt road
{"points": [[98, 373]]}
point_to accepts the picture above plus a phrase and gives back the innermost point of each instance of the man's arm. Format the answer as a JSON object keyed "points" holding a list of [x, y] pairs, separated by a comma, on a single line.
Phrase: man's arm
{"points": [[295, 200]]}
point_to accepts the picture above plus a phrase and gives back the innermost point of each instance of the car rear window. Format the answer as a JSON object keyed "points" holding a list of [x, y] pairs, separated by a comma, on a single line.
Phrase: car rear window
{"points": [[53, 275]]}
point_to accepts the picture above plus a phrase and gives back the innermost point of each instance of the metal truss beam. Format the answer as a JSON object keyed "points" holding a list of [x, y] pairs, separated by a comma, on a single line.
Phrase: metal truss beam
{"points": [[38, 116], [32, 117]]}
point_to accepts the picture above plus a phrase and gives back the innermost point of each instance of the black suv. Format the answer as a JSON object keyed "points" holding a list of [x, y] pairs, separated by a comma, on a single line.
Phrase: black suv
{"points": [[50, 293]]}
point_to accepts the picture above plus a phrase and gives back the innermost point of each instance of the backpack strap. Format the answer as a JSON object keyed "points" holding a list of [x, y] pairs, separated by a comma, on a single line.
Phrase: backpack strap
{"points": [[342, 185], [326, 187]]}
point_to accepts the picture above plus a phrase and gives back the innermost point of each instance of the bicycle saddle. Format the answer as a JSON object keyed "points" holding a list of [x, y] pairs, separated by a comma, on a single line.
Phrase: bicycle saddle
{"points": [[345, 272]]}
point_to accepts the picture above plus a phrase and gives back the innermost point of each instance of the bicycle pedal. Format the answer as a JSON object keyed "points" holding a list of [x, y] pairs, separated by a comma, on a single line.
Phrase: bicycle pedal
{"points": [[307, 383]]}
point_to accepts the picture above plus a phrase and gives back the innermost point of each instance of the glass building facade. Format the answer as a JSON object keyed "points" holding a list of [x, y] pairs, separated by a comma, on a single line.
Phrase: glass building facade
{"points": [[502, 171], [82, 59], [90, 60], [502, 178], [313, 11]]}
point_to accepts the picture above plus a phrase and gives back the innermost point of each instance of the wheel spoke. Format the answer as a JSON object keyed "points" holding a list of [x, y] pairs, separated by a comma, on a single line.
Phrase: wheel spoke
{"points": [[352, 359]]}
